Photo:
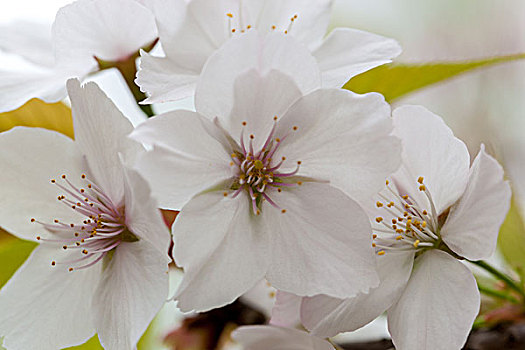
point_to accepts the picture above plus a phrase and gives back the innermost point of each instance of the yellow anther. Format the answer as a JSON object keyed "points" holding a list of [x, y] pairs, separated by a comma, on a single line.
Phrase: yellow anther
{"points": [[394, 227], [374, 236], [53, 263], [422, 188], [33, 220], [70, 269], [38, 238], [279, 190], [83, 176], [390, 205], [277, 140], [252, 136], [295, 128], [53, 181], [63, 176], [407, 206], [398, 238], [424, 224], [416, 243], [379, 204], [425, 212], [394, 221], [271, 294], [283, 211], [381, 252], [405, 197], [373, 245], [248, 27], [379, 219], [273, 27], [258, 164], [225, 194], [243, 123], [399, 230], [229, 15], [275, 118], [233, 30], [420, 179], [387, 182], [299, 183]]}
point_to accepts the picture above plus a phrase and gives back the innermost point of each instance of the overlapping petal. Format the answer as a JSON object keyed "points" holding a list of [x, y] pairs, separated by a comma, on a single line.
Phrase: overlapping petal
{"points": [[258, 99], [252, 51], [142, 216], [191, 155], [438, 306], [48, 303], [325, 233], [341, 137], [325, 316], [348, 52], [109, 30], [30, 40], [430, 150], [101, 134], [47, 84], [286, 311], [27, 191], [223, 249], [133, 288], [472, 227]]}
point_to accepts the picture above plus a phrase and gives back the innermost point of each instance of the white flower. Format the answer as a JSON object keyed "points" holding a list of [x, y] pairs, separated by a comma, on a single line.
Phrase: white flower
{"points": [[110, 30], [434, 210], [264, 181], [276, 338], [191, 31], [102, 262]]}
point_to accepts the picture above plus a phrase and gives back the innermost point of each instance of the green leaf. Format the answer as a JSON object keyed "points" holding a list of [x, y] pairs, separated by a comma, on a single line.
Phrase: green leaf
{"points": [[13, 252], [511, 240], [36, 113], [396, 80]]}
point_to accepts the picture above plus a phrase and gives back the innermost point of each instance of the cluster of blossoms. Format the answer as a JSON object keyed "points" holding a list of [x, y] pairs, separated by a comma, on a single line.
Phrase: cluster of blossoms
{"points": [[278, 174]]}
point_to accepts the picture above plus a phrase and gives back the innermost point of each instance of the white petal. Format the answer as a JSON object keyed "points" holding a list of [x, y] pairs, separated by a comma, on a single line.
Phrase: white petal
{"points": [[110, 30], [438, 307], [277, 338], [257, 101], [430, 150], [31, 40], [16, 87], [31, 157], [101, 133], [348, 52], [309, 27], [222, 248], [45, 307], [190, 155], [215, 90], [324, 234], [164, 80], [341, 137], [472, 227], [325, 316], [133, 288], [143, 217], [287, 310]]}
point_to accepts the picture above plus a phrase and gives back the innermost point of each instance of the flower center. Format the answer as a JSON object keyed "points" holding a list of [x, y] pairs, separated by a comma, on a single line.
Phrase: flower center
{"points": [[258, 173], [404, 223], [101, 231], [240, 26]]}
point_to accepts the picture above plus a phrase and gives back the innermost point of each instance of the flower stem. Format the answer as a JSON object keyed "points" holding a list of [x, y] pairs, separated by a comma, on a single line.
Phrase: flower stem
{"points": [[500, 275], [497, 294]]}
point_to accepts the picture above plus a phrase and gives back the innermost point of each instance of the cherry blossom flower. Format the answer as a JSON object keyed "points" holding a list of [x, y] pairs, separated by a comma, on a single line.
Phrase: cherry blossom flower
{"points": [[268, 177], [274, 338], [434, 211], [190, 31], [102, 262], [84, 31]]}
